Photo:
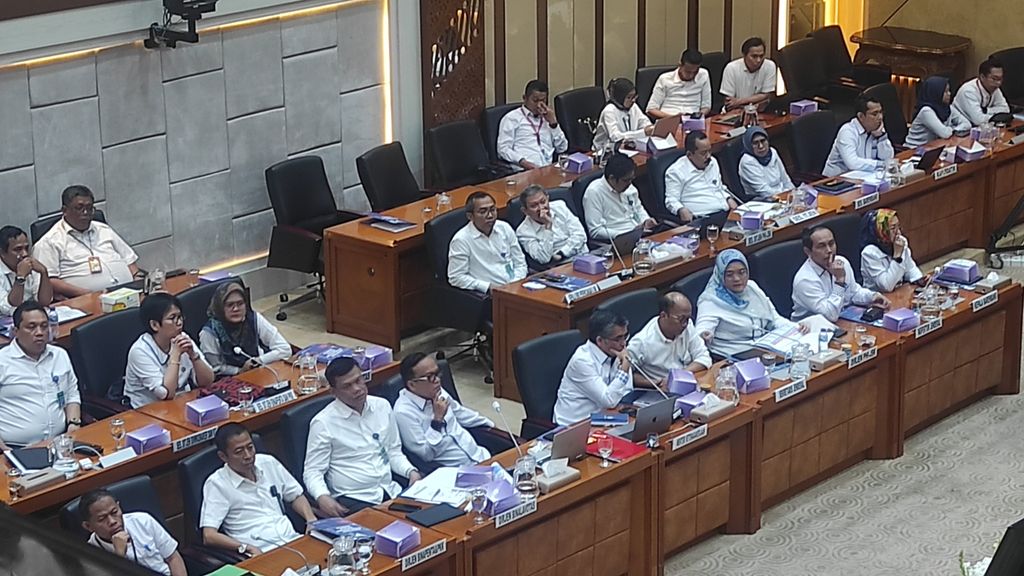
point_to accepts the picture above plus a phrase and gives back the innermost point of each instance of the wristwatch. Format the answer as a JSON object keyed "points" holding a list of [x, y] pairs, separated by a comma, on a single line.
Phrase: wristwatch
{"points": [[76, 422], [438, 425], [19, 280], [241, 548]]}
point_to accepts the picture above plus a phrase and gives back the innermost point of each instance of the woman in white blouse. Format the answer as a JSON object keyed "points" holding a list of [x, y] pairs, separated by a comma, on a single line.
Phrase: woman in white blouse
{"points": [[885, 259], [761, 170], [233, 324], [933, 118], [733, 311], [621, 120]]}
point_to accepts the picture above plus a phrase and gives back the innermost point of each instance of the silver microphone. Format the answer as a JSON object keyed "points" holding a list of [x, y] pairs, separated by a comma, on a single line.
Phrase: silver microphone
{"points": [[625, 272], [497, 408], [636, 366], [307, 568], [277, 377]]}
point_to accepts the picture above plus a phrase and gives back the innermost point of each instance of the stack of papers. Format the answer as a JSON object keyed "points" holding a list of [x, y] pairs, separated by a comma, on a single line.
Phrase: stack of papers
{"points": [[782, 339], [438, 487], [859, 175]]}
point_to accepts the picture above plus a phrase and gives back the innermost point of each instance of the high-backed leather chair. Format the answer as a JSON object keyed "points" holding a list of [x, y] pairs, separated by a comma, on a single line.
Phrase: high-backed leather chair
{"points": [[195, 304], [448, 306], [1013, 74], [812, 137], [645, 79], [294, 426], [729, 163], [773, 267], [892, 111], [490, 122], [538, 365], [457, 155], [638, 307], [693, 285], [99, 355], [40, 227], [386, 177], [838, 66], [577, 190], [715, 63], [574, 109], [656, 167], [846, 229], [803, 70]]}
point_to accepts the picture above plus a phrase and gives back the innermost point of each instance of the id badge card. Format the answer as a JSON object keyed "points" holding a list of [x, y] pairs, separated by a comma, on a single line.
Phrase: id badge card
{"points": [[94, 265], [61, 400]]}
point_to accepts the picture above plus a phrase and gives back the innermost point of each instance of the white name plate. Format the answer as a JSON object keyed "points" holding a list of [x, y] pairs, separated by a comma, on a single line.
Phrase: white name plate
{"points": [[758, 237], [191, 440], [421, 556], [945, 171], [861, 357], [985, 301], [264, 404], [123, 455], [865, 201], [803, 216], [789, 390], [690, 437], [513, 514], [927, 328]]}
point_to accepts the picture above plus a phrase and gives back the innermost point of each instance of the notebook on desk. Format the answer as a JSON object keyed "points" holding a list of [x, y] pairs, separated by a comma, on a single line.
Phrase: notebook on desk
{"points": [[387, 223]]}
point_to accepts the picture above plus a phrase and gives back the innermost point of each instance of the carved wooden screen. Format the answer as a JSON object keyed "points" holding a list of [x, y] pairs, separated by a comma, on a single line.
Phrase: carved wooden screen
{"points": [[452, 36]]}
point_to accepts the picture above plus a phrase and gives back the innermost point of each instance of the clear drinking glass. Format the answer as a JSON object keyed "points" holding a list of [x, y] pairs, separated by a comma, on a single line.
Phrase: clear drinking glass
{"points": [[309, 379], [768, 360], [156, 280], [193, 276], [609, 261], [712, 236], [245, 400], [563, 163], [479, 502], [526, 477], [604, 450], [428, 213], [341, 560], [801, 366], [892, 172], [725, 385], [63, 448], [13, 474], [117, 432], [364, 550]]}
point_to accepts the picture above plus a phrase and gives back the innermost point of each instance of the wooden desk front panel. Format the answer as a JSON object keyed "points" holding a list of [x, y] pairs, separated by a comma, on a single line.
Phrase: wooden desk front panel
{"points": [[696, 495], [1008, 187], [942, 218], [517, 321]]}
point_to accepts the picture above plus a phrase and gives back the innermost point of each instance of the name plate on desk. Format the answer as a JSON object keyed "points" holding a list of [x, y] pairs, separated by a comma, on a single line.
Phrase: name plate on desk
{"points": [[264, 404], [757, 237], [861, 357], [690, 437], [417, 558], [985, 301], [927, 328], [592, 289], [865, 201], [803, 216], [789, 390], [123, 455], [513, 514], [194, 439], [945, 171]]}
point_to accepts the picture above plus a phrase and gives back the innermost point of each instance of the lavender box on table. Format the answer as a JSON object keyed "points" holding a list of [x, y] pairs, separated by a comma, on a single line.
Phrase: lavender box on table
{"points": [[397, 539], [691, 124], [900, 320], [580, 163], [751, 221], [206, 410], [810, 195], [970, 153], [147, 438], [501, 496], [472, 476], [588, 264], [870, 186], [377, 357], [751, 376], [681, 382], [801, 107], [690, 401], [689, 242], [960, 270]]}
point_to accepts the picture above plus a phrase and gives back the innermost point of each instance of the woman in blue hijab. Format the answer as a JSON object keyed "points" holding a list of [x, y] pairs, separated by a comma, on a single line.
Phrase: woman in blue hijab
{"points": [[933, 117], [761, 170], [733, 311]]}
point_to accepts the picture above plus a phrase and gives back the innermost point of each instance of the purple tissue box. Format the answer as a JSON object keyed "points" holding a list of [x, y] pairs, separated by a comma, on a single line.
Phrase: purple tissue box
{"points": [[580, 163], [473, 476], [751, 221], [751, 376], [975, 133], [376, 357], [681, 382], [689, 242], [588, 264], [691, 124], [960, 270], [801, 107], [206, 410], [690, 401], [397, 539], [501, 496], [970, 154], [149, 437], [900, 320], [810, 195], [872, 186]]}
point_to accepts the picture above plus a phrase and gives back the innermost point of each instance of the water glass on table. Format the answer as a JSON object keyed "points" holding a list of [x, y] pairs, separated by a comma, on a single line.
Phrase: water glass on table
{"points": [[309, 379], [604, 450], [117, 432], [712, 232], [245, 400], [13, 475], [364, 551], [478, 499]]}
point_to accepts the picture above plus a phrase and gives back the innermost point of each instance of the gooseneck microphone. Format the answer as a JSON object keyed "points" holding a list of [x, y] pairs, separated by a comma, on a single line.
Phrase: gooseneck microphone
{"points": [[307, 568], [497, 408], [238, 350], [636, 366], [625, 272]]}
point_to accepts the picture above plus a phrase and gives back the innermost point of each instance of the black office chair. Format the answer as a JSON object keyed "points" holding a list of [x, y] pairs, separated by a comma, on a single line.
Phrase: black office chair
{"points": [[656, 168], [693, 285], [538, 365], [714, 63], [387, 179], [846, 229], [577, 190], [303, 207], [803, 70], [490, 122], [645, 79], [892, 112], [99, 355], [812, 136], [294, 426], [195, 304], [638, 306], [458, 156], [1013, 75], [729, 163], [773, 267], [839, 68], [577, 110], [514, 216], [137, 494], [40, 227]]}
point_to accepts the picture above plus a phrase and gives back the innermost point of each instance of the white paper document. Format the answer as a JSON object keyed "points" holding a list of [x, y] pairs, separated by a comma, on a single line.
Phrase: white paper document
{"points": [[782, 339], [859, 175], [438, 487], [67, 314]]}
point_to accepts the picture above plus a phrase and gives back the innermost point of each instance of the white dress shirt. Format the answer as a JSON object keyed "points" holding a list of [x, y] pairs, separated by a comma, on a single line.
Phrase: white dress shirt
{"points": [[272, 347], [764, 181], [927, 127], [150, 545], [815, 291], [616, 125], [672, 95], [881, 272], [855, 149], [249, 511], [734, 331], [566, 235], [7, 284], [738, 82], [523, 136], [973, 102], [352, 454], [656, 355], [65, 252], [452, 446], [592, 381], [144, 374], [33, 394], [477, 262], [700, 191], [609, 213]]}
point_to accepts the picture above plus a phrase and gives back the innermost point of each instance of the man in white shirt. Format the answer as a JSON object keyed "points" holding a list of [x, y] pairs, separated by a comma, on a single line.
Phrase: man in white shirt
{"points": [[611, 205], [353, 447], [24, 277], [38, 388], [861, 143], [825, 284], [530, 136], [693, 183], [135, 536], [485, 252], [550, 233], [244, 501], [750, 79], [668, 341], [981, 98], [599, 373], [432, 424], [82, 255], [685, 90]]}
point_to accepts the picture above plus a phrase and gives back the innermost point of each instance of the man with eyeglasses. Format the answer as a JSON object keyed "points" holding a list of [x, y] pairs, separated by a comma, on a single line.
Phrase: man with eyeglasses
{"points": [[485, 252], [433, 425], [599, 373], [80, 254], [668, 341]]}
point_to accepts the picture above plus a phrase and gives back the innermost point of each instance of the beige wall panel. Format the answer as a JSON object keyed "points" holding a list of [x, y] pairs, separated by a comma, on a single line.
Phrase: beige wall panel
{"points": [[520, 46], [675, 31], [620, 24], [750, 18], [654, 32], [584, 43], [710, 37], [489, 52], [560, 46]]}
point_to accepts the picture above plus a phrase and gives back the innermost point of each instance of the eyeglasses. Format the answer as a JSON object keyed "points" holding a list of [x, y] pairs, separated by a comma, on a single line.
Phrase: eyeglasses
{"points": [[175, 319], [428, 377], [87, 209], [234, 305], [487, 211], [682, 319]]}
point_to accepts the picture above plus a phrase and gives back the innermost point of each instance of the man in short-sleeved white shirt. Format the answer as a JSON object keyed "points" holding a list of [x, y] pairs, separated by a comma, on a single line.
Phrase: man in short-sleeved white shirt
{"points": [[550, 232], [82, 255], [244, 501], [135, 536], [485, 252], [668, 341], [24, 277], [685, 90], [750, 79]]}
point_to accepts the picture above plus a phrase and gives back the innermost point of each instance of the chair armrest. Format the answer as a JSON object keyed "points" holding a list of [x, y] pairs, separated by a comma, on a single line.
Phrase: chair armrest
{"points": [[533, 427], [294, 248], [349, 215], [100, 408], [208, 558], [870, 74], [494, 440]]}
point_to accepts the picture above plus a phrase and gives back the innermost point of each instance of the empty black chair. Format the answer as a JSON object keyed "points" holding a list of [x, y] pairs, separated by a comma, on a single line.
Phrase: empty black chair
{"points": [[693, 285], [715, 63], [578, 189], [656, 168], [538, 365], [729, 163], [40, 227], [846, 229], [1013, 74], [457, 155], [574, 110], [638, 306], [195, 302], [803, 69], [892, 111], [99, 354], [386, 177], [812, 135], [773, 267], [838, 66], [490, 122], [645, 79], [294, 425]]}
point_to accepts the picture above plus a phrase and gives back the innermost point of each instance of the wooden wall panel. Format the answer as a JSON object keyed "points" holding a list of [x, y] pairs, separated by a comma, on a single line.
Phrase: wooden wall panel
{"points": [[750, 18], [620, 39], [584, 42], [561, 46], [711, 24], [520, 47], [489, 46]]}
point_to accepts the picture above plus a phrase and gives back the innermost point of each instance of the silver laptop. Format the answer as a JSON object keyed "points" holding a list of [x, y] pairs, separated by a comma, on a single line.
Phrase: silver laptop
{"points": [[571, 443], [652, 419]]}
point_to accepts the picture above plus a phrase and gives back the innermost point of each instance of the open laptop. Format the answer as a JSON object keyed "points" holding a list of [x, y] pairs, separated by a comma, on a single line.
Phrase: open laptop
{"points": [[668, 125], [1009, 557], [929, 158], [626, 241], [571, 442], [652, 419]]}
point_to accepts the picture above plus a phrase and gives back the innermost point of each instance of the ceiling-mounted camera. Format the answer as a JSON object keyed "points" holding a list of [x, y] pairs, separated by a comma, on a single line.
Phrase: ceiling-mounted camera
{"points": [[188, 12]]}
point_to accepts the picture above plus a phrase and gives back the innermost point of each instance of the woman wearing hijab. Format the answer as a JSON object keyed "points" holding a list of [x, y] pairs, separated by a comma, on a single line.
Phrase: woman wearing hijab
{"points": [[733, 311], [933, 118], [621, 119], [761, 170], [885, 260], [234, 324]]}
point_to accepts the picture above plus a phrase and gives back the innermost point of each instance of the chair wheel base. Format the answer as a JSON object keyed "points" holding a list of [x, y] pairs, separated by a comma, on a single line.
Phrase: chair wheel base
{"points": [[282, 316], [488, 379], [283, 297]]}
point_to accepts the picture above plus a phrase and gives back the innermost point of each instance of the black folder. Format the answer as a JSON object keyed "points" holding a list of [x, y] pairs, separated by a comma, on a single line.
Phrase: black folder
{"points": [[435, 515]]}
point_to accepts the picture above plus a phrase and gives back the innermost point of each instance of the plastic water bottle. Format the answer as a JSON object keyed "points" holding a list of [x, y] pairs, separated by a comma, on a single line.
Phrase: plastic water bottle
{"points": [[51, 313], [824, 336], [801, 366]]}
